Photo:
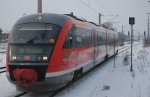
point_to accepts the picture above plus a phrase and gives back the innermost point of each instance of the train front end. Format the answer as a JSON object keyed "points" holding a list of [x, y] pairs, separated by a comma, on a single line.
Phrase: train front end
{"points": [[30, 48]]}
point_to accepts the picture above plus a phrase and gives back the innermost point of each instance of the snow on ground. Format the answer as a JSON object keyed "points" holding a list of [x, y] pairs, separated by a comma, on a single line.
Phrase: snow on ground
{"points": [[6, 88], [2, 59], [2, 55], [108, 80]]}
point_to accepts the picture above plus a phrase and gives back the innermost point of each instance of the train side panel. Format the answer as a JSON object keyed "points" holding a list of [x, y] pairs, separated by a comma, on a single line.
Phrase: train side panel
{"points": [[57, 64]]}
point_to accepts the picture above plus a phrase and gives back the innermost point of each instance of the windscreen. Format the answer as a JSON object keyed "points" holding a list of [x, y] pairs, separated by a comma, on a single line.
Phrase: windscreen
{"points": [[32, 42], [34, 33]]}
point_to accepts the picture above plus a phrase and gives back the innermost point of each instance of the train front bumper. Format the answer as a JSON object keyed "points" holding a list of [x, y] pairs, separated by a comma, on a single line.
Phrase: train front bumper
{"points": [[49, 84]]}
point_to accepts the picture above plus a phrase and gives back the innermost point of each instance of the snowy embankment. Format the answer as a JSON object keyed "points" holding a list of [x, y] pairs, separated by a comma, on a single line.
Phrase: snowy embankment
{"points": [[111, 79]]}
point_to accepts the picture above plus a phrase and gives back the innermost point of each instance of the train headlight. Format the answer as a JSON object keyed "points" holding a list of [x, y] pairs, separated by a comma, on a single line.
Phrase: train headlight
{"points": [[14, 57], [45, 58]]}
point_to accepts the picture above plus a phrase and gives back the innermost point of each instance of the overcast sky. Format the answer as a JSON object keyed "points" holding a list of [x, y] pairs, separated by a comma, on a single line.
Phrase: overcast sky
{"points": [[11, 10]]}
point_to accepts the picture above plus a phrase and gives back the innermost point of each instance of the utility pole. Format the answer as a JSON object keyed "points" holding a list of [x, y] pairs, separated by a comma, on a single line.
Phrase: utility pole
{"points": [[144, 34], [131, 69], [148, 24], [131, 22], [139, 35], [100, 19], [39, 7], [122, 36], [122, 29]]}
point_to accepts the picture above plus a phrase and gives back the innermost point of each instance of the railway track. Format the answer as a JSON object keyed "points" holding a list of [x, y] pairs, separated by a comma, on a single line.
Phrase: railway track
{"points": [[2, 69], [126, 48], [2, 51], [21, 94]]}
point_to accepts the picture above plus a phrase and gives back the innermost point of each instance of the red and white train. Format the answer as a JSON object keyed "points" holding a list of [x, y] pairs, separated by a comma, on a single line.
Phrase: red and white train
{"points": [[46, 51]]}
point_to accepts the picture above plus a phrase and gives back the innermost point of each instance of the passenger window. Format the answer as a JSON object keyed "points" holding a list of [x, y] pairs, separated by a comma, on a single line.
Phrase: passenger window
{"points": [[70, 41], [79, 41]]}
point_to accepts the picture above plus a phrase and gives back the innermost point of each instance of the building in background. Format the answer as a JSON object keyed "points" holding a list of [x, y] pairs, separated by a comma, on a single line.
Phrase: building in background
{"points": [[3, 36]]}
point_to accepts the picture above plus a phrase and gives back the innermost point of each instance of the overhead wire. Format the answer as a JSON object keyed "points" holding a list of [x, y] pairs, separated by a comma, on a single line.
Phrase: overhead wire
{"points": [[101, 7], [88, 6], [113, 18]]}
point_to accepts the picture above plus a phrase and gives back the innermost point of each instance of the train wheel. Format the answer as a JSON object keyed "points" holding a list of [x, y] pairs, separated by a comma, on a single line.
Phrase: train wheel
{"points": [[77, 74], [106, 57]]}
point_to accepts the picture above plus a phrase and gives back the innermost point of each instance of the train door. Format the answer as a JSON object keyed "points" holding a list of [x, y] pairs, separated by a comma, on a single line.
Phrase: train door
{"points": [[95, 43]]}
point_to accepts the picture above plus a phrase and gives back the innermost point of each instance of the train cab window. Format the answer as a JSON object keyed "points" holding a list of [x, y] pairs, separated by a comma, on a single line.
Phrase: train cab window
{"points": [[70, 41], [34, 33]]}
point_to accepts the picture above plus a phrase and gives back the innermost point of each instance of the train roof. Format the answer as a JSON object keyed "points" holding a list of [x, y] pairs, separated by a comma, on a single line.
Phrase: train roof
{"points": [[58, 19], [43, 17]]}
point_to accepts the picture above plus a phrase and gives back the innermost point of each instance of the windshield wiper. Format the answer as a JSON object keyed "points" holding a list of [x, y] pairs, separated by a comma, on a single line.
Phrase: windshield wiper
{"points": [[31, 40], [39, 37]]}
